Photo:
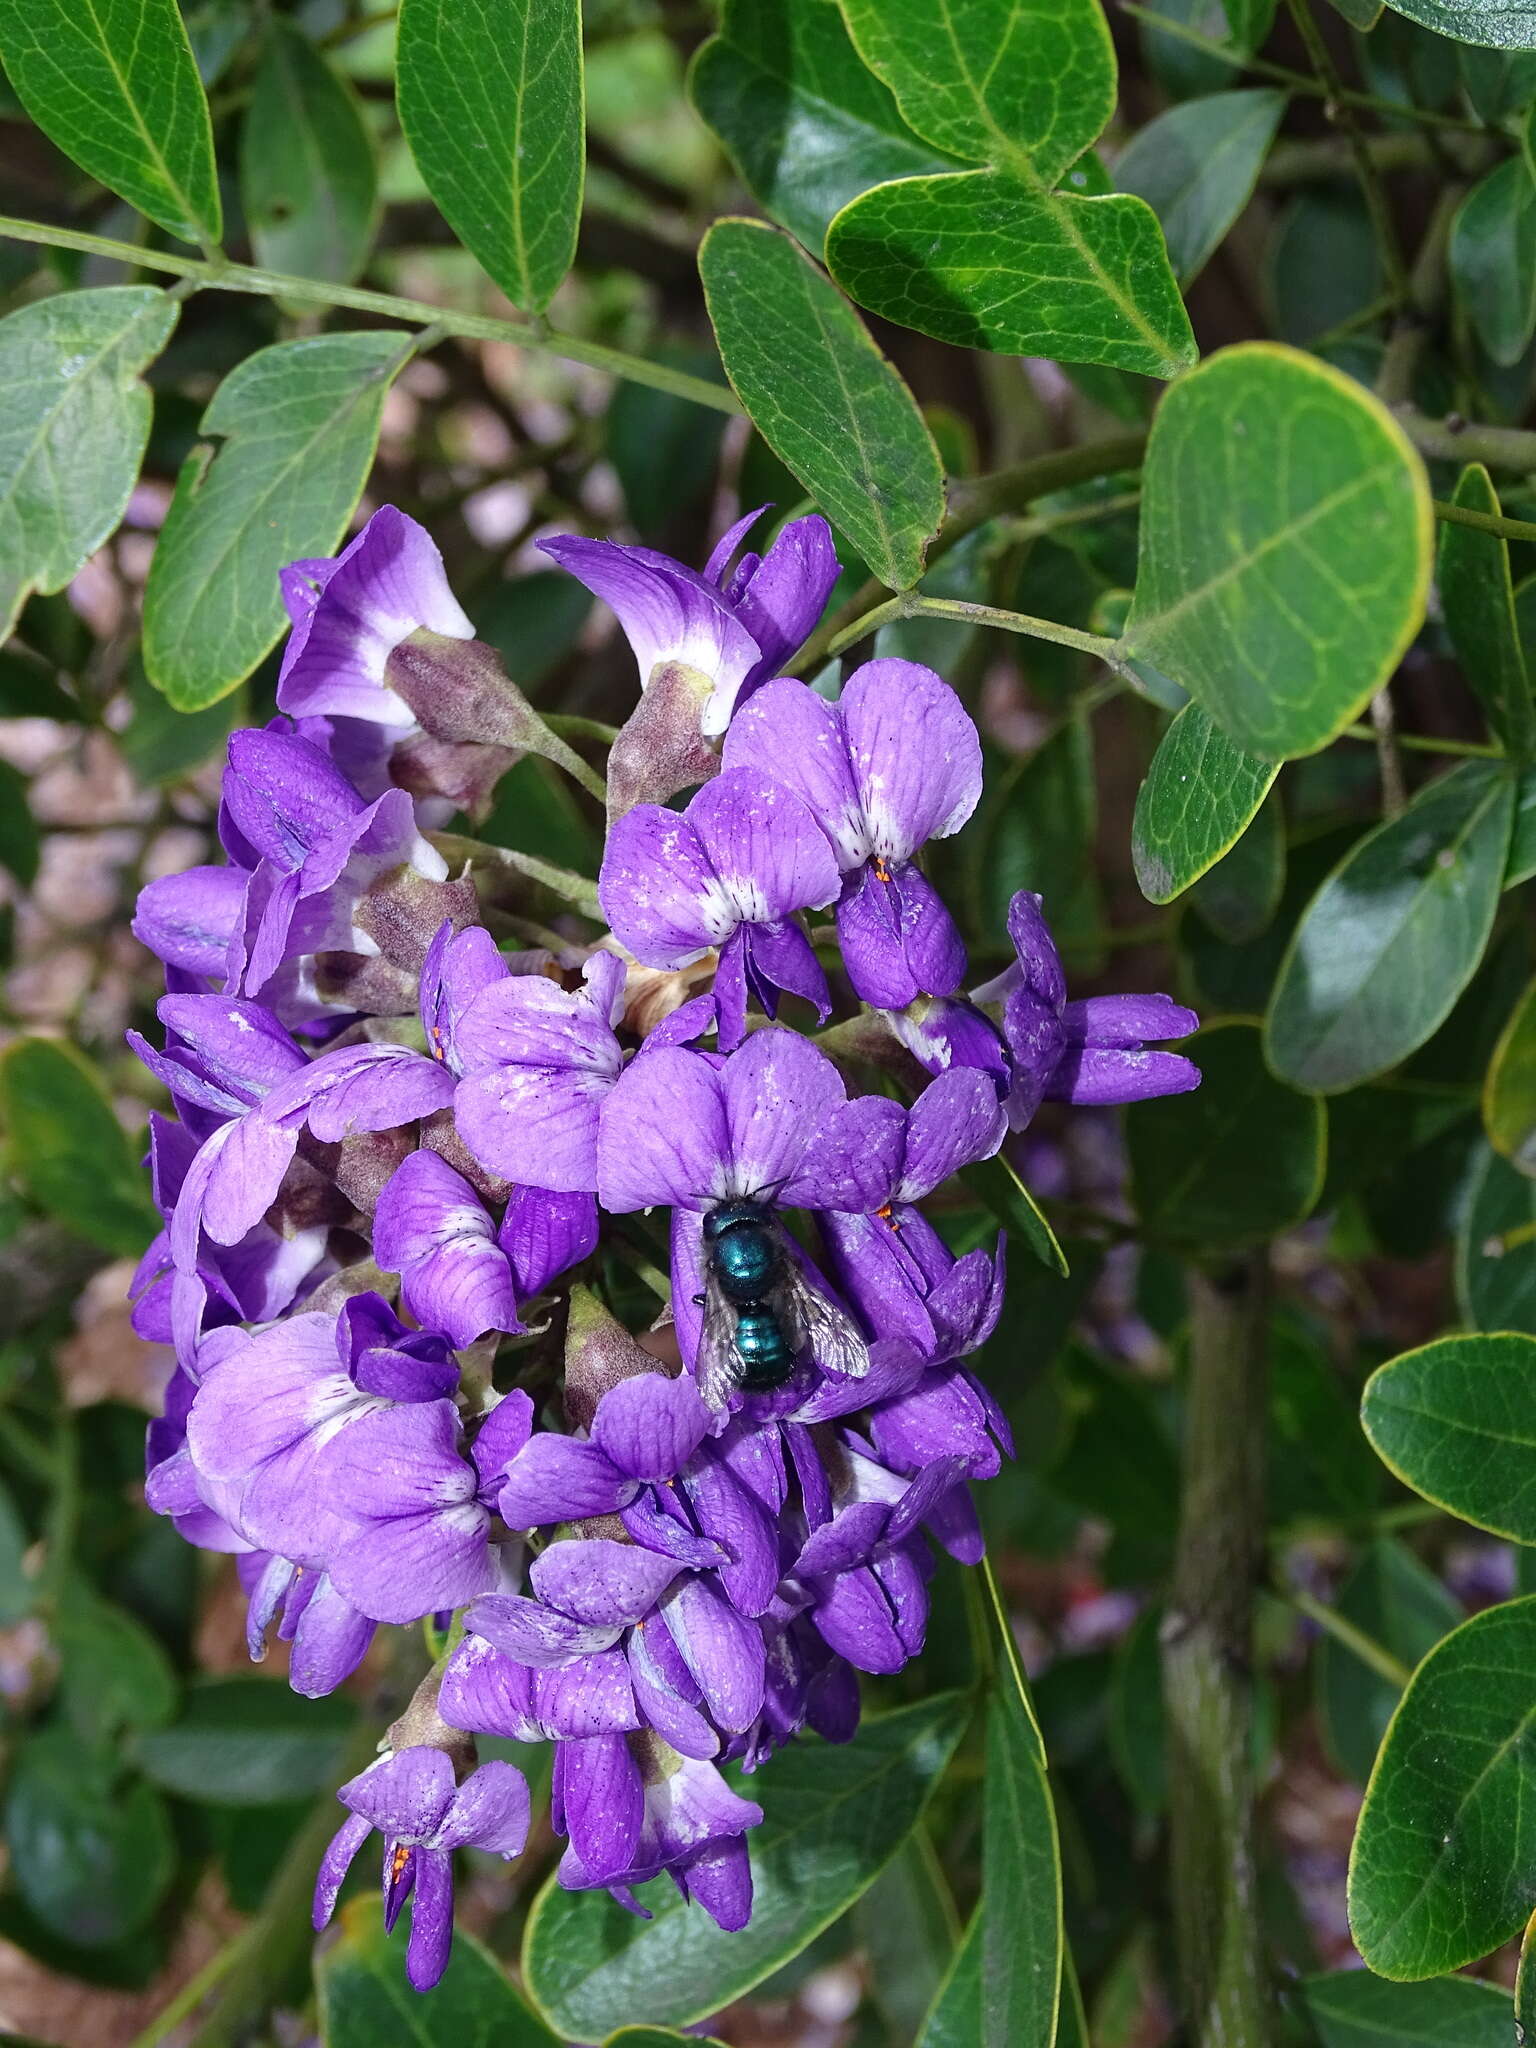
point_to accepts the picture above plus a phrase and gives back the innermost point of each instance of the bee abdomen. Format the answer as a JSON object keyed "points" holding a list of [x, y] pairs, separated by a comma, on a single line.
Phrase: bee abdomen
{"points": [[765, 1353]]}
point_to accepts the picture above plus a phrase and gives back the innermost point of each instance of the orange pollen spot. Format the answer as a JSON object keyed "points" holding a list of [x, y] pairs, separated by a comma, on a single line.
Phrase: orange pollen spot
{"points": [[402, 1856], [887, 1215], [882, 872], [439, 1050]]}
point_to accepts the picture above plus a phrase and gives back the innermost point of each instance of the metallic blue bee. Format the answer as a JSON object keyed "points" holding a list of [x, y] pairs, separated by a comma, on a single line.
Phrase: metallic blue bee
{"points": [[761, 1316]]}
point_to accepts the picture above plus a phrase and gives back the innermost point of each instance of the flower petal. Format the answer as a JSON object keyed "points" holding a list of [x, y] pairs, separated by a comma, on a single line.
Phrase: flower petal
{"points": [[650, 1426], [915, 752], [658, 887], [789, 732], [598, 1580], [663, 1135]]}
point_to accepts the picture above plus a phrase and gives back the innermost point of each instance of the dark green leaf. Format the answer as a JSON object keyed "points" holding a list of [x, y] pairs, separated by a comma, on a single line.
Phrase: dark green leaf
{"points": [[1037, 831], [658, 2037], [955, 2019], [1400, 1604], [1137, 1726], [66, 1148], [1452, 1419], [1118, 1463], [1446, 1842], [1509, 1092], [491, 101], [1496, 1246], [1394, 935], [823, 397], [366, 2001], [1522, 839], [1319, 1460], [665, 449], [834, 1816], [19, 838], [907, 1927], [114, 1673], [74, 418], [1239, 896], [91, 1858], [1021, 1933], [1498, 82], [1196, 166], [1199, 795], [992, 260], [299, 423], [1192, 1156], [114, 85], [996, 1182], [1353, 2009], [1286, 538], [161, 744], [1493, 259], [1324, 263], [1525, 1985], [307, 177], [994, 82], [807, 126], [247, 1742], [15, 1587], [1478, 600]]}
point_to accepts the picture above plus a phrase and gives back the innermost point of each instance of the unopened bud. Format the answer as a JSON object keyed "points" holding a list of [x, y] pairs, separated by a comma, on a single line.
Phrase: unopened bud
{"points": [[599, 1352], [660, 748]]}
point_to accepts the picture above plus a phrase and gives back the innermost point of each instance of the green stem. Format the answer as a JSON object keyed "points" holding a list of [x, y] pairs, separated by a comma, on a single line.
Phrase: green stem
{"points": [[1355, 1640], [271, 284], [1426, 743], [1486, 522], [1207, 1663], [909, 604], [1454, 439], [192, 1993]]}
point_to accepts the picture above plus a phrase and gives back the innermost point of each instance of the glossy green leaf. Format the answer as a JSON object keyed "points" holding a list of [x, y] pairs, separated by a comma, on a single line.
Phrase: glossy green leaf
{"points": [[1443, 1853], [1192, 1155], [1454, 1421], [247, 1742], [74, 418], [1196, 166], [1022, 1942], [1286, 538], [113, 83], [65, 1147], [1353, 2009], [1478, 600], [1509, 1091], [823, 397], [908, 1929], [90, 1856], [1493, 259], [308, 182], [1239, 896], [1394, 935], [366, 2001], [298, 424], [1399, 1604], [1498, 82], [994, 260], [491, 101], [1199, 795], [834, 1816], [990, 80], [1496, 1246], [955, 2018], [805, 123]]}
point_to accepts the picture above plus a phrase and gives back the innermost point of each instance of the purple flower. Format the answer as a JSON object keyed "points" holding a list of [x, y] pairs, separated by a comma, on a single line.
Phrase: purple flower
{"points": [[644, 1431], [895, 762], [454, 970], [412, 1799], [191, 920], [1086, 1052], [351, 611], [330, 1637], [432, 1229], [735, 629], [727, 873]]}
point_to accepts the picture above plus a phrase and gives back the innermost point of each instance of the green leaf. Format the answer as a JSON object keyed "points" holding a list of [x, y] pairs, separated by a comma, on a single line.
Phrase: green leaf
{"points": [[1199, 795], [1138, 1729], [996, 1182], [1038, 830], [955, 2018], [491, 101], [16, 1588], [113, 83], [1394, 935], [308, 181], [1196, 166], [1353, 2009], [659, 2037], [67, 1150], [1496, 1247], [114, 1673], [1525, 1984], [20, 841], [1022, 1944], [1400, 1604], [1238, 898], [806, 125], [907, 1927], [1493, 259], [1509, 1092], [247, 1742], [1286, 537], [1441, 1870], [74, 418], [299, 422], [834, 1816], [1477, 597], [366, 2001], [992, 81], [1521, 864], [1498, 82], [161, 744], [1192, 1156], [1453, 1421], [823, 397], [994, 260], [90, 1857], [1320, 1462]]}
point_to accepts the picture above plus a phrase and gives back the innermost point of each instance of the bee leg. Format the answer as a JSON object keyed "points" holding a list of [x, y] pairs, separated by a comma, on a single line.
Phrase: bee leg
{"points": [[698, 1301]]}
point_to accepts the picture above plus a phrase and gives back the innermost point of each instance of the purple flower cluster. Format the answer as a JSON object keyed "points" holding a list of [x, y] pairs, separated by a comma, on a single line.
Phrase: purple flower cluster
{"points": [[393, 1187]]}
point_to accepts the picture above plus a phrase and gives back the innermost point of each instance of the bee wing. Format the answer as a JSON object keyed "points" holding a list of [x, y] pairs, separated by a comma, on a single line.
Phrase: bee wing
{"points": [[815, 1324], [720, 1367]]}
